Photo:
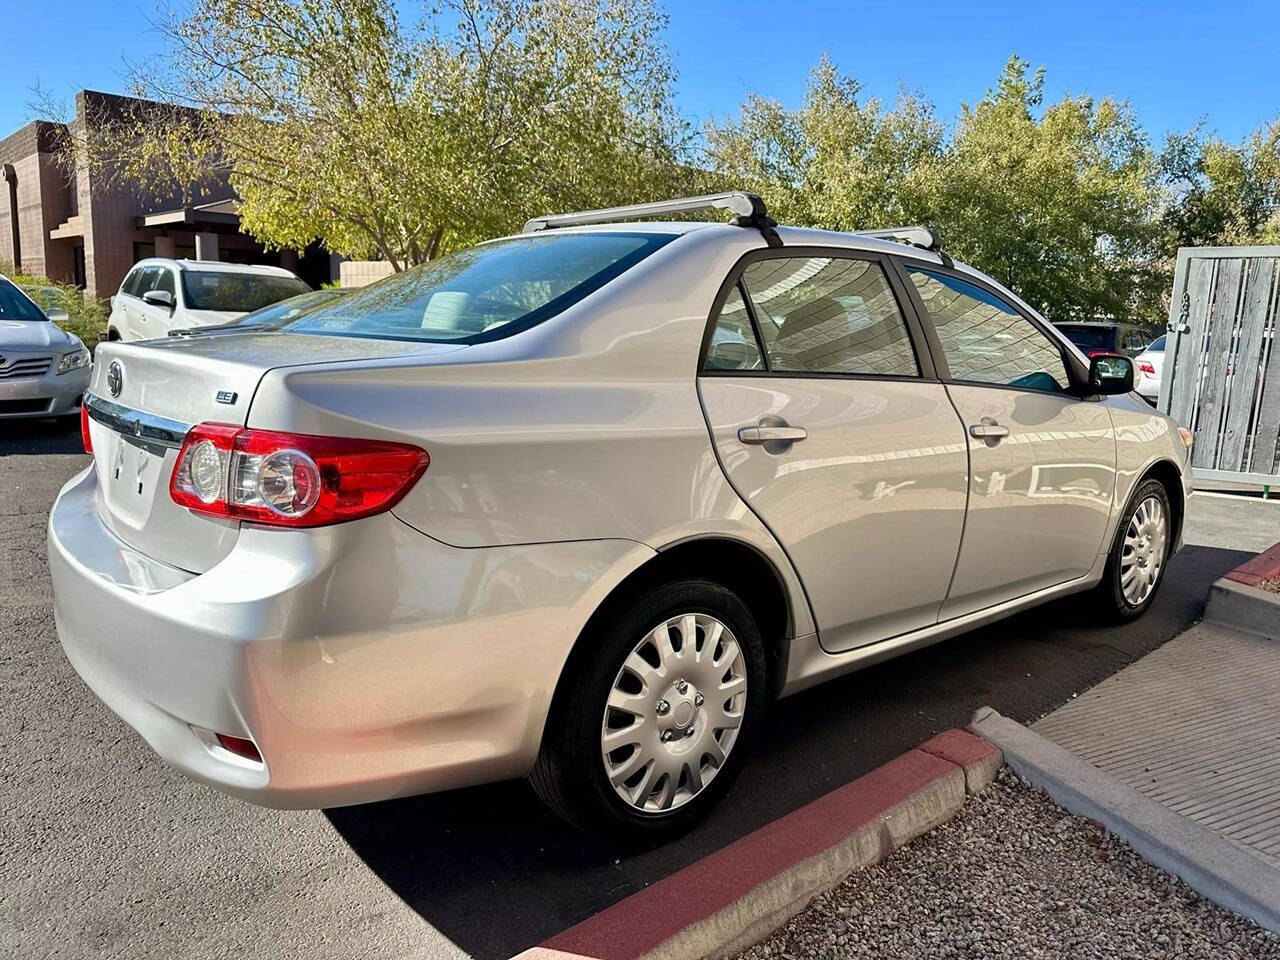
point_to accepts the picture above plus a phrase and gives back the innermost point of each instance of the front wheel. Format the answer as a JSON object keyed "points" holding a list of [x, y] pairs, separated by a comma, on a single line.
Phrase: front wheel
{"points": [[1136, 564], [651, 730]]}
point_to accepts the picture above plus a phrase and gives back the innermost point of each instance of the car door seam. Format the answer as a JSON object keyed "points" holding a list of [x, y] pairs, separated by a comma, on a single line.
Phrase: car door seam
{"points": [[724, 471]]}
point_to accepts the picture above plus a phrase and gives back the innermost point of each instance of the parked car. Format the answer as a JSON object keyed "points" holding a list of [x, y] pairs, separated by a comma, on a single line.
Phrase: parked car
{"points": [[1150, 364], [273, 314], [576, 504], [159, 295], [1097, 338], [44, 370]]}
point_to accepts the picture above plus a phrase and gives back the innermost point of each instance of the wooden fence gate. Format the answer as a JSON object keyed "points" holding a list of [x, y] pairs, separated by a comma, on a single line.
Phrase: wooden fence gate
{"points": [[1221, 375]]}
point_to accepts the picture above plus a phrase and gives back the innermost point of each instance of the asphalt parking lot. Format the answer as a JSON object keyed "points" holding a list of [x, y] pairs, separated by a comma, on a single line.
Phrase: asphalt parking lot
{"points": [[105, 851]]}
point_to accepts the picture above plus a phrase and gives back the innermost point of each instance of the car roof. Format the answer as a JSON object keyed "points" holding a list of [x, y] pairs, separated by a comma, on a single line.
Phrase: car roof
{"points": [[790, 236], [215, 266]]}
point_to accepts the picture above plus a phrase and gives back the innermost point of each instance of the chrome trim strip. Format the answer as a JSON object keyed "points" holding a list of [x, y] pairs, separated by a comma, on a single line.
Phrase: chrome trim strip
{"points": [[146, 430]]}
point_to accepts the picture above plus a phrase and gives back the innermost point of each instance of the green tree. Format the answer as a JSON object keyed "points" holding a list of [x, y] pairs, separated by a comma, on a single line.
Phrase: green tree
{"points": [[839, 161], [1057, 203], [1221, 193], [335, 121]]}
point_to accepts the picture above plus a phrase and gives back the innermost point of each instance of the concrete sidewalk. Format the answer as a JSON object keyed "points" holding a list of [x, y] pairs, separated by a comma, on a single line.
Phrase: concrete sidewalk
{"points": [[1195, 725]]}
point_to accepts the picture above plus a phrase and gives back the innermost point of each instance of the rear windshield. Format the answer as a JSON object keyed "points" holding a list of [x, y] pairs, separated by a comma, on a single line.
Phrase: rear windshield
{"points": [[1157, 345], [236, 292], [482, 293], [16, 305], [1096, 337]]}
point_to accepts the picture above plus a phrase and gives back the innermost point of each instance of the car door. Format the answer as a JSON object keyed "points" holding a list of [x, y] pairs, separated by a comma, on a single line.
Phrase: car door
{"points": [[829, 421], [124, 302], [152, 319], [1042, 458]]}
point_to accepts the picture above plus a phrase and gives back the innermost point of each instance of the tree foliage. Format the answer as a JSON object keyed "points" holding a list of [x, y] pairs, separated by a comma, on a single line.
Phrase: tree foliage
{"points": [[335, 121], [1059, 203]]}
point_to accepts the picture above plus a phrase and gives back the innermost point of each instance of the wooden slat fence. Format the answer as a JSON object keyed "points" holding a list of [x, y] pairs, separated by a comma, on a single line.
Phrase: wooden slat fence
{"points": [[1221, 369]]}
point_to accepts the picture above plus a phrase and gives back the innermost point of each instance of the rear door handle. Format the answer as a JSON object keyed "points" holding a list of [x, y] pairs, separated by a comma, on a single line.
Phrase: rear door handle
{"points": [[988, 430], [759, 435]]}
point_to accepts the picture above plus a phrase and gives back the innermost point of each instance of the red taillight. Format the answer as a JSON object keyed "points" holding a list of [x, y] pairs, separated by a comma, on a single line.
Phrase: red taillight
{"points": [[239, 746], [84, 429], [289, 479], [1146, 366]]}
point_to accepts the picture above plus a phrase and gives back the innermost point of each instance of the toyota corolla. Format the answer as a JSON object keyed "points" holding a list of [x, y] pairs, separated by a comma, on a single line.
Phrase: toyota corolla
{"points": [[579, 503]]}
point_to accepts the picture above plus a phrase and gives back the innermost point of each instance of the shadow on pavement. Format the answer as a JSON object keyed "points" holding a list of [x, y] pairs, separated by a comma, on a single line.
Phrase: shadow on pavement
{"points": [[48, 435], [494, 872]]}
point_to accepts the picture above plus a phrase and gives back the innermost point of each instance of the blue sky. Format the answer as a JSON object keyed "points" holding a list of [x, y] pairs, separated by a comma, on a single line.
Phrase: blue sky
{"points": [[1176, 62]]}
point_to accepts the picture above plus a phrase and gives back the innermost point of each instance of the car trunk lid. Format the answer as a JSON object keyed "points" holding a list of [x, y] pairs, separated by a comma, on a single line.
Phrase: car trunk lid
{"points": [[144, 397]]}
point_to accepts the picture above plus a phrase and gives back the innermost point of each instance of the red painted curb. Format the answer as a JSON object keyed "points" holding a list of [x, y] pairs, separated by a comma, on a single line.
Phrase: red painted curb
{"points": [[649, 917], [1265, 566]]}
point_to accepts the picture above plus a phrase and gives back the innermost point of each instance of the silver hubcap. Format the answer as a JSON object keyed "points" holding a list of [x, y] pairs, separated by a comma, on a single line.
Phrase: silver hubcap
{"points": [[674, 712], [1142, 558]]}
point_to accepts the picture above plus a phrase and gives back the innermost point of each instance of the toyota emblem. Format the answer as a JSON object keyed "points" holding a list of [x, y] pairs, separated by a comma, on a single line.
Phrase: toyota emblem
{"points": [[115, 378]]}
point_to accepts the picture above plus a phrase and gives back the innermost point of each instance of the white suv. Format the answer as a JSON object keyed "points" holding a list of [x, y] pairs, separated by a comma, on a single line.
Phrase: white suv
{"points": [[159, 295]]}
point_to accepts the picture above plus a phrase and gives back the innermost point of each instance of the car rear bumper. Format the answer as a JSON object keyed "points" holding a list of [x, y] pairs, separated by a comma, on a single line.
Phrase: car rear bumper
{"points": [[52, 395], [364, 660]]}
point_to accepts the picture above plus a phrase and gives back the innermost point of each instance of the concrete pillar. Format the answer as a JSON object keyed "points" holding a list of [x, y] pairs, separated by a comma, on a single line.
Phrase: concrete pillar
{"points": [[165, 247], [289, 260], [206, 246]]}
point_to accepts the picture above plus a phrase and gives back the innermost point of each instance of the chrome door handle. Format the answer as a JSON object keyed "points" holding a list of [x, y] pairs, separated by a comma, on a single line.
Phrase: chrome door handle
{"points": [[759, 435], [988, 431]]}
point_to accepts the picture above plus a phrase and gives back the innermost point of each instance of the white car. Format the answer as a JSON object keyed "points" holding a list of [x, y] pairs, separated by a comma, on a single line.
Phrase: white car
{"points": [[159, 295], [1149, 366], [44, 371]]}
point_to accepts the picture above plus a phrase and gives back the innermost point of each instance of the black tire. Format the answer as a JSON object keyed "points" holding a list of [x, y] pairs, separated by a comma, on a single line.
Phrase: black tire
{"points": [[570, 774], [1109, 600]]}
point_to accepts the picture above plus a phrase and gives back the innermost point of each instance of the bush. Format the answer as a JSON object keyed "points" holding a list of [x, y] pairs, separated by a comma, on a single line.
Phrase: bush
{"points": [[88, 316]]}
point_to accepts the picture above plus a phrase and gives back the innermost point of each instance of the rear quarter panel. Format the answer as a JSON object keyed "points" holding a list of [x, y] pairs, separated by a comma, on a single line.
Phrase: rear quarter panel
{"points": [[585, 427]]}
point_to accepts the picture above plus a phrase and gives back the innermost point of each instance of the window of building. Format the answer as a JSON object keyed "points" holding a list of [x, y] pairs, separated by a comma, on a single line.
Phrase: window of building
{"points": [[829, 315], [986, 340]]}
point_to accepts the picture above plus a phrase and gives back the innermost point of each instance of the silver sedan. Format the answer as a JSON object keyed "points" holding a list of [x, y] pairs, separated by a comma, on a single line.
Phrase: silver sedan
{"points": [[576, 504], [44, 371]]}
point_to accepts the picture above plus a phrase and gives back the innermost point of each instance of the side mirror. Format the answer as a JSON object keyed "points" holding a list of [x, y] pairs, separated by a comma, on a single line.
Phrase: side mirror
{"points": [[1110, 373], [57, 314], [159, 298]]}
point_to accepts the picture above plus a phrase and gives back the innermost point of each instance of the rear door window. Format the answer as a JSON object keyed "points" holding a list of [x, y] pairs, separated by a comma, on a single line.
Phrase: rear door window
{"points": [[829, 315], [733, 343]]}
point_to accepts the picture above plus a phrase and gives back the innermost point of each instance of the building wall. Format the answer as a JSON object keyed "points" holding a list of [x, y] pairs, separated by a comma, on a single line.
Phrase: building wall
{"points": [[43, 201], [108, 207]]}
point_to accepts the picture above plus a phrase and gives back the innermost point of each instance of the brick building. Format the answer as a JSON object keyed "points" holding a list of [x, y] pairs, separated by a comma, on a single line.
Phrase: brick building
{"points": [[90, 231]]}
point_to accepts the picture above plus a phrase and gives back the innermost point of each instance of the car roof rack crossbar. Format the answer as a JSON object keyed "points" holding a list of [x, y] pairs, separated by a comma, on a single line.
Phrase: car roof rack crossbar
{"points": [[926, 238], [748, 210]]}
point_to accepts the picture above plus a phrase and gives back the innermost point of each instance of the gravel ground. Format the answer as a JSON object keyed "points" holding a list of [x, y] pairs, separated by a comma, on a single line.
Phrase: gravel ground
{"points": [[1272, 585], [1016, 876]]}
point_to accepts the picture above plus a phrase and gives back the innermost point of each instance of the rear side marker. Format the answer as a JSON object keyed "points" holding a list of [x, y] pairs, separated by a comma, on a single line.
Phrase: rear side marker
{"points": [[84, 430]]}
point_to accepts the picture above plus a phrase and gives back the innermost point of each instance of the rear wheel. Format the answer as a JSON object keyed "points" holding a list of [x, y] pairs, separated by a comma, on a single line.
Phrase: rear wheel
{"points": [[650, 732], [1135, 567]]}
